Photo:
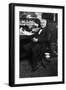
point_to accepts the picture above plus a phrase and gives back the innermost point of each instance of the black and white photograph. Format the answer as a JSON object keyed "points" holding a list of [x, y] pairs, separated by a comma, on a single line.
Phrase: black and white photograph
{"points": [[37, 44]]}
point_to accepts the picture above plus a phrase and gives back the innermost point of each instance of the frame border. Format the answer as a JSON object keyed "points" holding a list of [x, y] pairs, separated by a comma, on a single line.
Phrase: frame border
{"points": [[12, 43]]}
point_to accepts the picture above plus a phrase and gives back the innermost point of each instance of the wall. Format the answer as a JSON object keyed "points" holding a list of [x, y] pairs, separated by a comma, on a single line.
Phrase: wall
{"points": [[4, 44]]}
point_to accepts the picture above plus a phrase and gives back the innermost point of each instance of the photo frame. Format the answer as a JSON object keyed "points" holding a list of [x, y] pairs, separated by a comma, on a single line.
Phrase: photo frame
{"points": [[25, 49]]}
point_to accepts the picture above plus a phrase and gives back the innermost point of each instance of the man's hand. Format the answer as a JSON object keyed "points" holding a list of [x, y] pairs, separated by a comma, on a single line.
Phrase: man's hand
{"points": [[35, 39]]}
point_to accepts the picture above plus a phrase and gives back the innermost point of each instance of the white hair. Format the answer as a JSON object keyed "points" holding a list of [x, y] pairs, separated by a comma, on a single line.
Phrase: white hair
{"points": [[43, 23]]}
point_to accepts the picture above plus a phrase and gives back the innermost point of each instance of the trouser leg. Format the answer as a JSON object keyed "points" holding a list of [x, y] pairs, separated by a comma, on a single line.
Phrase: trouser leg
{"points": [[35, 55]]}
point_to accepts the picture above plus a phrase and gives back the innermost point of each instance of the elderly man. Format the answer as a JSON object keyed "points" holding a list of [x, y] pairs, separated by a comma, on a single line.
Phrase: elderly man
{"points": [[37, 46], [40, 42]]}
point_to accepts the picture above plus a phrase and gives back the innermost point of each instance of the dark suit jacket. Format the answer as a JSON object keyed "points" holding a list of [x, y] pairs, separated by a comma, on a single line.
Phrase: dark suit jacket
{"points": [[43, 35]]}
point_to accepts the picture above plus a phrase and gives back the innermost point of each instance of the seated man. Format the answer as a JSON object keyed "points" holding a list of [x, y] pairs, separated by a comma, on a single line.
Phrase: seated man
{"points": [[37, 46], [40, 43]]}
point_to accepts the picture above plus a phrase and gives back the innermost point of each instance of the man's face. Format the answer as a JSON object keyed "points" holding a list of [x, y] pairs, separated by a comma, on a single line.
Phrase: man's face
{"points": [[43, 23]]}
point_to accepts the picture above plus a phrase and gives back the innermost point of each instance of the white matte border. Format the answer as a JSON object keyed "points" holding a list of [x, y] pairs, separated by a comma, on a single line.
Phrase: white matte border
{"points": [[37, 79]]}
